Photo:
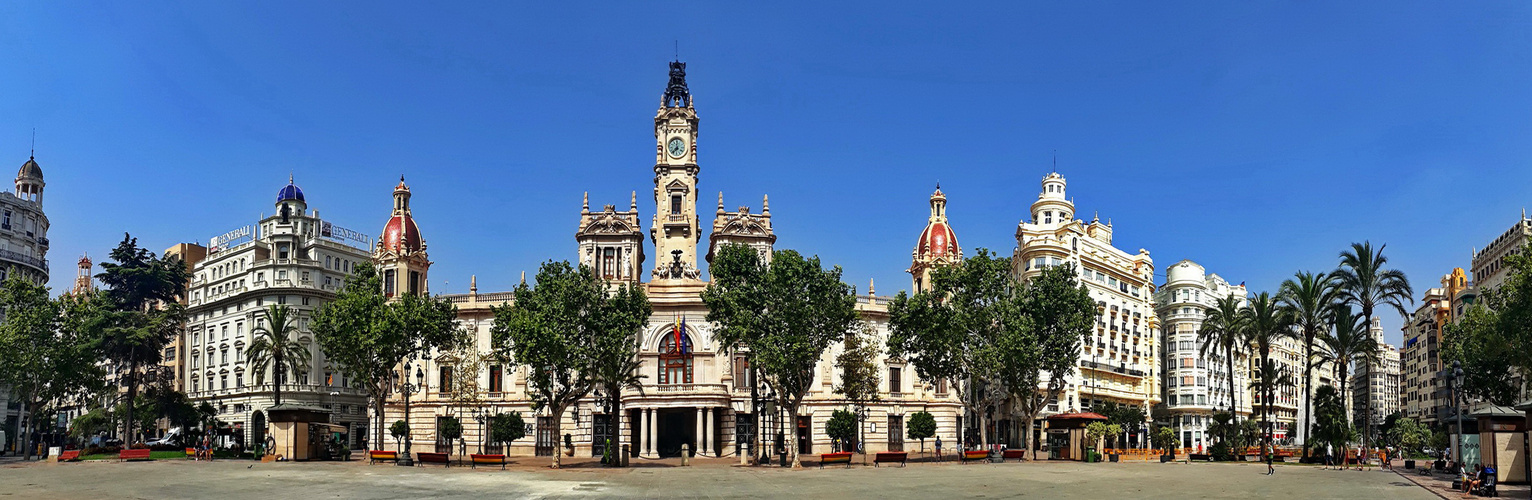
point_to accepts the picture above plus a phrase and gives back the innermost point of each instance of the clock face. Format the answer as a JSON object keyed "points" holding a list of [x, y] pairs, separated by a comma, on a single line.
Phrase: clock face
{"points": [[677, 147]]}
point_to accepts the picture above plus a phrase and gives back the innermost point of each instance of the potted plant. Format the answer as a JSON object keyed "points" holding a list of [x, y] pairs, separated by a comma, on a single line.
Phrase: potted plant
{"points": [[1165, 439], [1094, 433]]}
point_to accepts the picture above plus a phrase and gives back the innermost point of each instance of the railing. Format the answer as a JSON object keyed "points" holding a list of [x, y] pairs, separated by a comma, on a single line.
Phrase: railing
{"points": [[675, 388], [12, 255]]}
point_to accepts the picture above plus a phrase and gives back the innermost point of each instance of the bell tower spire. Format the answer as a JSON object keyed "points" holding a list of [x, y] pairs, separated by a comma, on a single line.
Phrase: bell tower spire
{"points": [[675, 226]]}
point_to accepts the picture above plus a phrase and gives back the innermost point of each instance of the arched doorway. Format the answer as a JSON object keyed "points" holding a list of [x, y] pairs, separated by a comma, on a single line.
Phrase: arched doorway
{"points": [[258, 428]]}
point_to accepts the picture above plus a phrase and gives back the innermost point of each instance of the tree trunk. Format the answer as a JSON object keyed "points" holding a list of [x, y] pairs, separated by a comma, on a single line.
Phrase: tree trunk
{"points": [[23, 426], [1233, 395], [379, 413], [792, 412], [558, 428], [1308, 378], [277, 379], [614, 427], [132, 395], [1026, 442]]}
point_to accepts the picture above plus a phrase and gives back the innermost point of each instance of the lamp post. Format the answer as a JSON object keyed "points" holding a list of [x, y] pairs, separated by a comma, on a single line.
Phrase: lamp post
{"points": [[406, 389], [482, 416], [1455, 386]]}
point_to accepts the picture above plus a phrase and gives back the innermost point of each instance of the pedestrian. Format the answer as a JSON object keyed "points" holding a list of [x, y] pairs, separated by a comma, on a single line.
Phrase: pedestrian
{"points": [[1329, 456], [938, 448], [1269, 452]]}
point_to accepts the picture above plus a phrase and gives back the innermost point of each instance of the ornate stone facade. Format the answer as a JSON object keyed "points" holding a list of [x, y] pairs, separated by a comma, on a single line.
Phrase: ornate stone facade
{"points": [[699, 395]]}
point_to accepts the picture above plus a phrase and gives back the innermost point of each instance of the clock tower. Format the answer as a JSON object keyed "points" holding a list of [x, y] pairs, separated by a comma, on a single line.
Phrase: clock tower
{"points": [[674, 231]]}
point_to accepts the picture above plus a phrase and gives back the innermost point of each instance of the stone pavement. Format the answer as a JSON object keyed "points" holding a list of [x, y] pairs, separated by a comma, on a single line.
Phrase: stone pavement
{"points": [[1441, 485], [234, 479]]}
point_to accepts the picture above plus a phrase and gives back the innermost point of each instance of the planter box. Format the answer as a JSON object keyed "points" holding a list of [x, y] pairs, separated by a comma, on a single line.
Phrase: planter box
{"points": [[1112, 457], [1167, 458], [1409, 464]]}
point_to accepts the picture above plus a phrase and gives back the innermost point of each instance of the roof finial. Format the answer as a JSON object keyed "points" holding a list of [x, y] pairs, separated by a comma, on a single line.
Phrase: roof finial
{"points": [[1055, 161], [523, 277], [585, 205], [33, 155], [871, 290], [473, 284], [765, 204], [720, 202], [633, 202], [289, 177]]}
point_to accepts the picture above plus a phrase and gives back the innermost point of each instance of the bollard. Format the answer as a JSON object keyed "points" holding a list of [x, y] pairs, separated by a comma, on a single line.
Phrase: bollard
{"points": [[627, 451], [684, 456]]}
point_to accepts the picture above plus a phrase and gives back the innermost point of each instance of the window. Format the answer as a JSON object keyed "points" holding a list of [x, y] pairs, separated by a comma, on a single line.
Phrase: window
{"points": [[444, 379], [388, 283], [676, 361], [941, 386], [895, 382], [675, 204], [496, 375], [742, 372], [305, 276], [281, 299], [326, 262], [306, 301], [223, 381], [224, 357], [329, 379], [414, 283], [196, 386], [1047, 217], [239, 379]]}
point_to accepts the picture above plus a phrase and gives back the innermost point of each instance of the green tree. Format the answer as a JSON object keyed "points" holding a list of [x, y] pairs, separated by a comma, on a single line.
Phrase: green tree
{"points": [[90, 423], [842, 428], [36, 354], [1347, 342], [859, 379], [563, 329], [921, 426], [1223, 427], [1165, 439], [140, 313], [615, 350], [1331, 425], [787, 314], [1492, 337], [1366, 283], [1411, 437], [399, 430], [507, 428], [1047, 325], [451, 429], [274, 347], [1266, 323], [1095, 432], [1224, 329], [967, 329], [367, 335], [1309, 299]]}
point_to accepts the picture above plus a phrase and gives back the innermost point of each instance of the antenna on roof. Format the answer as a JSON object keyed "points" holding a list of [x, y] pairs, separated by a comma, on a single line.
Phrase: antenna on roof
{"points": [[1055, 161], [678, 49], [34, 143]]}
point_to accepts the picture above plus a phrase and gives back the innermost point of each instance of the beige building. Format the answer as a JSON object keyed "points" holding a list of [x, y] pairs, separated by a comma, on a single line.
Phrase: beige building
{"points": [[24, 251], [1121, 361], [696, 392], [1488, 265], [1379, 381]]}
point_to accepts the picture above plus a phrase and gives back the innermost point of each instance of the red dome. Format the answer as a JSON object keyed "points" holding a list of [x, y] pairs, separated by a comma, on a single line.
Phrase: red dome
{"points": [[937, 240], [401, 234]]}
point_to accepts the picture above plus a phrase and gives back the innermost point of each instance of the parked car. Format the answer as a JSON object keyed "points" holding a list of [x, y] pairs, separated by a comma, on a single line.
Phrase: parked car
{"points": [[169, 439]]}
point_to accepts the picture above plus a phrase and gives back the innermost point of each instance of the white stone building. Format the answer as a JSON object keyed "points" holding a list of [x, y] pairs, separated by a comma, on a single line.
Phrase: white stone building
{"points": [[1197, 385], [23, 250], [1378, 381], [292, 258]]}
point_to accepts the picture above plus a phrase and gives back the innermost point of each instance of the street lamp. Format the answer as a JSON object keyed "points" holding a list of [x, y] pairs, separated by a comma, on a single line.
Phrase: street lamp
{"points": [[1455, 386], [406, 388], [482, 415]]}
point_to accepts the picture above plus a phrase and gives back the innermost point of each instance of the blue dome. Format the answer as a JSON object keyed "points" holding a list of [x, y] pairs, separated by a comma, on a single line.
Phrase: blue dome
{"points": [[291, 192]]}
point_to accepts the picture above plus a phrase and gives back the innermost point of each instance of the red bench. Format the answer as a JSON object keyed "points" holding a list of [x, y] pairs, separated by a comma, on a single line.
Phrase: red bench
{"points": [[835, 458], [134, 454], [888, 457], [974, 455], [191, 453], [476, 459], [382, 456], [1012, 454], [423, 458], [70, 456]]}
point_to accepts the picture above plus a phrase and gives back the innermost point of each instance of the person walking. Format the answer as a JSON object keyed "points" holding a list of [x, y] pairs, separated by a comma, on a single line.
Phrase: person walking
{"points": [[1268, 450]]}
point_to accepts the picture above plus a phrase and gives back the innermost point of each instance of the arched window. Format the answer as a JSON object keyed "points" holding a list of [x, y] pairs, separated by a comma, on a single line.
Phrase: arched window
{"points": [[675, 364]]}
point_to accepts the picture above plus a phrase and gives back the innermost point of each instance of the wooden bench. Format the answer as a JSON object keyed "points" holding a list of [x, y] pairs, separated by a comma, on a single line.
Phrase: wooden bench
{"points": [[1012, 454], [974, 455], [888, 457], [422, 458], [70, 456], [477, 459], [382, 456], [134, 454], [835, 458]]}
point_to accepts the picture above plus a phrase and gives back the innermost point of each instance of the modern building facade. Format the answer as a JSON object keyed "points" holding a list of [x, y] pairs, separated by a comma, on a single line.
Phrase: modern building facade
{"points": [[1196, 384], [1120, 361], [696, 392], [292, 258]]}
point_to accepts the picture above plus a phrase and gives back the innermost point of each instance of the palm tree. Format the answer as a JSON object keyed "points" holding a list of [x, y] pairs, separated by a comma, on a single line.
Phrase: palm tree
{"points": [[1269, 376], [1266, 323], [1308, 298], [274, 345], [1223, 329], [1366, 284], [1348, 341]]}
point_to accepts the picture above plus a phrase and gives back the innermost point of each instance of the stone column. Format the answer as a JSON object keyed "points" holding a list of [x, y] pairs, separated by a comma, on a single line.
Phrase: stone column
{"points": [[643, 438], [707, 431], [697, 443], [654, 424]]}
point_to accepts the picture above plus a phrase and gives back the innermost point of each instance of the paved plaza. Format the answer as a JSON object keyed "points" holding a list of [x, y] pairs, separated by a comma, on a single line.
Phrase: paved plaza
{"points": [[714, 479]]}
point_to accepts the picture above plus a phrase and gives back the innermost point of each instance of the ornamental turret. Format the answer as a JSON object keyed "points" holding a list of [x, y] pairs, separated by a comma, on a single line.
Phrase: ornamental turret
{"points": [[937, 246], [401, 252]]}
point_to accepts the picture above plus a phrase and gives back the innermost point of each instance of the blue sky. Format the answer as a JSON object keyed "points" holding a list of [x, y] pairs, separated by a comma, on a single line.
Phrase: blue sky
{"points": [[1256, 139]]}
